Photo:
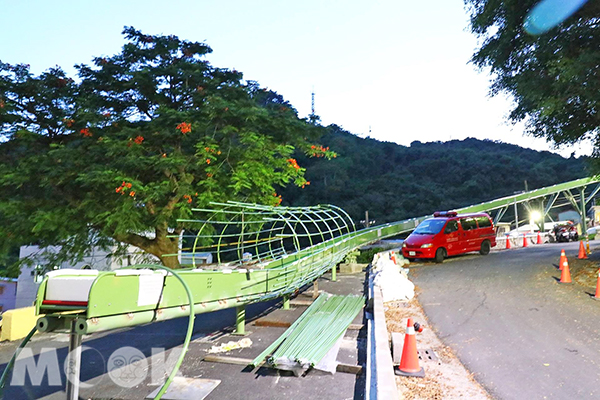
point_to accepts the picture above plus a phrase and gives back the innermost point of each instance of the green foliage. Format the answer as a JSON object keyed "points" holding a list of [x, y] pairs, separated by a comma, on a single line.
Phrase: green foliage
{"points": [[553, 77], [395, 182], [366, 256], [136, 141], [9, 263]]}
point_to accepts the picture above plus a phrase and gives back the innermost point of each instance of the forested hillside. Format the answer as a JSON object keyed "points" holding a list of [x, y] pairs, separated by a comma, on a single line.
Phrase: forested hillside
{"points": [[396, 182]]}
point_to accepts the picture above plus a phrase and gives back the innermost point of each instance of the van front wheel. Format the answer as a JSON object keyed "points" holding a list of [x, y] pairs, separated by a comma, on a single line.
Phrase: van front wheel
{"points": [[485, 248], [440, 254]]}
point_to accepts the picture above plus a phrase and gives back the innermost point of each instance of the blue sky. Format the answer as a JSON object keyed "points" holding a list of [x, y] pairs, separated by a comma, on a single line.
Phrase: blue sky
{"points": [[398, 67]]}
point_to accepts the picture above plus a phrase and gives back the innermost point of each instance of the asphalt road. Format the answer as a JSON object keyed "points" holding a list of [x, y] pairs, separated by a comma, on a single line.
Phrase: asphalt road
{"points": [[523, 335]]}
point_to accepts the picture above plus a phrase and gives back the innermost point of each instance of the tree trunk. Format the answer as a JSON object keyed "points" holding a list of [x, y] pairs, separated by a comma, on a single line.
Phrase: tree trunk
{"points": [[171, 261], [165, 245], [159, 246]]}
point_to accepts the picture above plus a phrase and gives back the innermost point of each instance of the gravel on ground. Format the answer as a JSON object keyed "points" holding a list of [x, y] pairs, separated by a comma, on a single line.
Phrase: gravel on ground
{"points": [[445, 378]]}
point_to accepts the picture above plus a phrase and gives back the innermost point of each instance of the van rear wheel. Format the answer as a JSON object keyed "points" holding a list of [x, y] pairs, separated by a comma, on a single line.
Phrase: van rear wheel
{"points": [[440, 254], [485, 248]]}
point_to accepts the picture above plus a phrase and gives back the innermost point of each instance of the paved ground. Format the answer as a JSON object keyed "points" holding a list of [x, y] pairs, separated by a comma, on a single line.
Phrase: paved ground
{"points": [[210, 329], [522, 334]]}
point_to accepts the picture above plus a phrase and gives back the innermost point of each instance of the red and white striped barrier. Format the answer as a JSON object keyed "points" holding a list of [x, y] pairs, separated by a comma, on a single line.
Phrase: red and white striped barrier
{"points": [[531, 238]]}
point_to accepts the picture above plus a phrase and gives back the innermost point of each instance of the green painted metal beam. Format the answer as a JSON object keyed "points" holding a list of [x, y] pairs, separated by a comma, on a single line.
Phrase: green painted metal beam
{"points": [[240, 320], [530, 195]]}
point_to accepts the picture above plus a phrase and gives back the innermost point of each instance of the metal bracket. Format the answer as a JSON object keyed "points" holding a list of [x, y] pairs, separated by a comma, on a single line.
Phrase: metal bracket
{"points": [[569, 196], [592, 194], [500, 214], [551, 203]]}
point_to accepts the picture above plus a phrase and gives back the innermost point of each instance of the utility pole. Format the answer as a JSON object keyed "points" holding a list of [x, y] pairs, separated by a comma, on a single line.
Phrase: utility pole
{"points": [[516, 216], [583, 222], [543, 213], [367, 219], [515, 205]]}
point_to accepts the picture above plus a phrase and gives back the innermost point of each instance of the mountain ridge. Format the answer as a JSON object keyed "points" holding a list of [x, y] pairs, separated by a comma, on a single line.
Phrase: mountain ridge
{"points": [[395, 182]]}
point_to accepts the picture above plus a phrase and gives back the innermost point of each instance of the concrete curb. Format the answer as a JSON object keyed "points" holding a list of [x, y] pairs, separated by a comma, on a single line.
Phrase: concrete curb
{"points": [[380, 378]]}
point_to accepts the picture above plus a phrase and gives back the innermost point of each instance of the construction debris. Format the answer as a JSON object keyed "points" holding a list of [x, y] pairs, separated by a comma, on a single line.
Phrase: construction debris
{"points": [[392, 278], [225, 347]]}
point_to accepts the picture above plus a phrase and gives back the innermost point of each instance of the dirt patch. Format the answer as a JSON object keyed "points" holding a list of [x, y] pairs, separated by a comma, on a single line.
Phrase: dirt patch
{"points": [[585, 272], [424, 388], [446, 377]]}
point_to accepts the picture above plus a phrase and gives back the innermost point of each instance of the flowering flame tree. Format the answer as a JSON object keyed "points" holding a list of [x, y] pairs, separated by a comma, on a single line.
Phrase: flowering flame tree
{"points": [[136, 141]]}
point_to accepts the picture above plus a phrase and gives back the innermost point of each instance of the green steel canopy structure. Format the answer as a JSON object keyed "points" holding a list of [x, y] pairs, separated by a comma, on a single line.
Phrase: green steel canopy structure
{"points": [[262, 252]]}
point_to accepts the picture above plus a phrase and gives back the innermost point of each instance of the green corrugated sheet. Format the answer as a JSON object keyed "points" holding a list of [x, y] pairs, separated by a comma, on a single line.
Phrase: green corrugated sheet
{"points": [[309, 339]]}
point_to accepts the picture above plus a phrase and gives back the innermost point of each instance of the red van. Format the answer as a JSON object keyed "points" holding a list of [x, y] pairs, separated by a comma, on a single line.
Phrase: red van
{"points": [[449, 234]]}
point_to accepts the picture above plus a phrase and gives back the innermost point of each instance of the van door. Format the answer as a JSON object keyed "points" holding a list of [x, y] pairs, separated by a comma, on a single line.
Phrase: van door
{"points": [[452, 238], [469, 236], [486, 230]]}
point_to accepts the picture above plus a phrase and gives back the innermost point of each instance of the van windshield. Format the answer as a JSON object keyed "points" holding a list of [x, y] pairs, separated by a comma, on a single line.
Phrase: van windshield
{"points": [[430, 227]]}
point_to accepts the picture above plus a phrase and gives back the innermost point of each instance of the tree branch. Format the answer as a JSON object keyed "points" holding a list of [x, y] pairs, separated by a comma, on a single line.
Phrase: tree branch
{"points": [[136, 240]]}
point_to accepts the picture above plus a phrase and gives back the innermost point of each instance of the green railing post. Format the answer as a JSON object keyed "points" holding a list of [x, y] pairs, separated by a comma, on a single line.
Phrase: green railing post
{"points": [[240, 320], [333, 273], [286, 302]]}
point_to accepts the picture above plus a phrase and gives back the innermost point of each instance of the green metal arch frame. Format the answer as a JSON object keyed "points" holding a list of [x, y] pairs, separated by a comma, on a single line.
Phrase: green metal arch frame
{"points": [[347, 216]]}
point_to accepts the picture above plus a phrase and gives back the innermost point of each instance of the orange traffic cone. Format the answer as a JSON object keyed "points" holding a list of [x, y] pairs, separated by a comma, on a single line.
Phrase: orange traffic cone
{"points": [[597, 296], [409, 364], [539, 238], [582, 255], [565, 276], [393, 257], [563, 259], [507, 242], [524, 240]]}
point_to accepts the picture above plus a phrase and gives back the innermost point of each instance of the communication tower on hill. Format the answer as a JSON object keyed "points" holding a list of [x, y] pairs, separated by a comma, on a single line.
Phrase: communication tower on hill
{"points": [[313, 117]]}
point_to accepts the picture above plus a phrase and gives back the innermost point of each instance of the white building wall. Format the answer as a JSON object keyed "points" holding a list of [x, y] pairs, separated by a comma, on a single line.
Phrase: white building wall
{"points": [[26, 287], [8, 293]]}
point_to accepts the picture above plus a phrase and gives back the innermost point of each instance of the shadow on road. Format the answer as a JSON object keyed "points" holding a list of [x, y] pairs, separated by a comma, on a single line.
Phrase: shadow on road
{"points": [[165, 335]]}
